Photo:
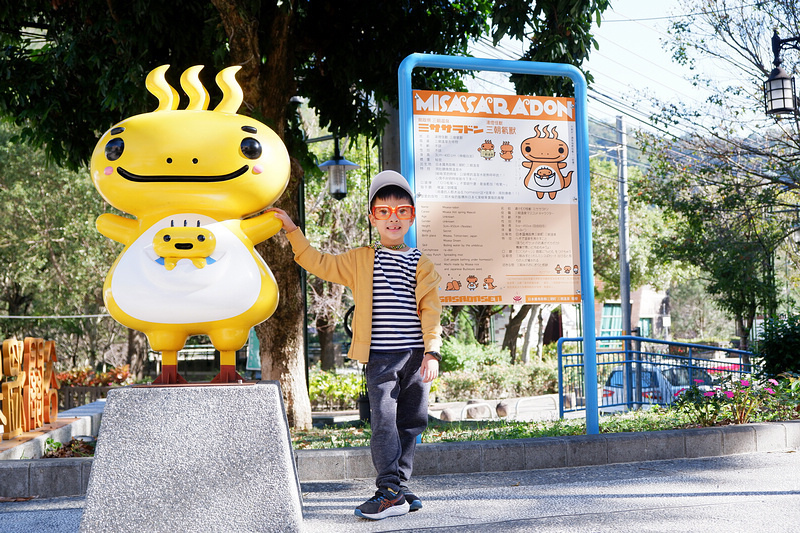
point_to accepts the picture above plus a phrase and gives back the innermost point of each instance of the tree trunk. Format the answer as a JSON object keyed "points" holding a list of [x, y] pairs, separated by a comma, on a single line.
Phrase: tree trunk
{"points": [[512, 329], [267, 81], [327, 353], [281, 336], [526, 344], [137, 353]]}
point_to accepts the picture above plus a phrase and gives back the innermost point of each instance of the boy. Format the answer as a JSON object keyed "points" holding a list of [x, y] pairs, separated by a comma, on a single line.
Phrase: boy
{"points": [[396, 332]]}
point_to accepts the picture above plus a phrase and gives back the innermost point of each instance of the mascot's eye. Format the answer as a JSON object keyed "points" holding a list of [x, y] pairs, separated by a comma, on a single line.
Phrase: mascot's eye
{"points": [[201, 238], [114, 149], [167, 238], [251, 148], [561, 150]]}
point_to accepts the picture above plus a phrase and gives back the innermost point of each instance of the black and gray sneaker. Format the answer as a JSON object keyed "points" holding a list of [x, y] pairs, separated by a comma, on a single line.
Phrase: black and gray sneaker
{"points": [[414, 503], [384, 504]]}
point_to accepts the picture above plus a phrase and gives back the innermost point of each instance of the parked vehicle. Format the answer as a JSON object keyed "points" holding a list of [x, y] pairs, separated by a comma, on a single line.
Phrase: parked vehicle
{"points": [[660, 384]]}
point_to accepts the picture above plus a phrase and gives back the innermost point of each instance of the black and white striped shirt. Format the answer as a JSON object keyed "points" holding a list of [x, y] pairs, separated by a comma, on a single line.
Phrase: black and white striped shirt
{"points": [[395, 322]]}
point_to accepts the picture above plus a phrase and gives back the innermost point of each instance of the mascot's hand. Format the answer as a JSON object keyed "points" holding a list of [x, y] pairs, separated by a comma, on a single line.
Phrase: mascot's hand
{"points": [[117, 228]]}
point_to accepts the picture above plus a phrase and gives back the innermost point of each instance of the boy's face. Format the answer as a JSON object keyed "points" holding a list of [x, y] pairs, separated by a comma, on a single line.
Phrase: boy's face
{"points": [[392, 230]]}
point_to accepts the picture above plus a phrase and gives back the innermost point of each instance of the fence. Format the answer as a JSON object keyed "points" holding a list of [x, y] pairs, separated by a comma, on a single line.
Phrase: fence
{"points": [[636, 371], [69, 397]]}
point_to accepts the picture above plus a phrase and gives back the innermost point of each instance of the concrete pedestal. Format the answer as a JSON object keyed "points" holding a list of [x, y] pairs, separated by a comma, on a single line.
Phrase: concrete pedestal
{"points": [[194, 458]]}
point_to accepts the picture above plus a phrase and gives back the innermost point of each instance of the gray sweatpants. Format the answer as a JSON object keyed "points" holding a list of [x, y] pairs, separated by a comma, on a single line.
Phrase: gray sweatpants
{"points": [[398, 402]]}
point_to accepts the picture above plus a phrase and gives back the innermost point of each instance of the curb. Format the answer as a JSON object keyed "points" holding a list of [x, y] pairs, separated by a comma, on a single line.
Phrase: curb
{"points": [[50, 478], [87, 422]]}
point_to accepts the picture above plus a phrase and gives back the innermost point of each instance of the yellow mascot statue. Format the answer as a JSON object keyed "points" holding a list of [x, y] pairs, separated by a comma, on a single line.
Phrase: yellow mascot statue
{"points": [[194, 182]]}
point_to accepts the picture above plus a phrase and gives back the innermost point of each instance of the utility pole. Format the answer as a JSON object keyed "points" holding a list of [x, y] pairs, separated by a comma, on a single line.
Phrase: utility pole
{"points": [[624, 254]]}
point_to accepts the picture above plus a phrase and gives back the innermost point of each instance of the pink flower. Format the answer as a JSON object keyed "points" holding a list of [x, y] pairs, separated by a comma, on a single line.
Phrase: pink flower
{"points": [[729, 394], [699, 381], [769, 390], [709, 393], [773, 381], [745, 383]]}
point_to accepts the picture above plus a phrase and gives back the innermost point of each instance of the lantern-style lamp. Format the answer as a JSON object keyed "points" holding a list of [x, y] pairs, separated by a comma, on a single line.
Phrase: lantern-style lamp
{"points": [[337, 172], [779, 90]]}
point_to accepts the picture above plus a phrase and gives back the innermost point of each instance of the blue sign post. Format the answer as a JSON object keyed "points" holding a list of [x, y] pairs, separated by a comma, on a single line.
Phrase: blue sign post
{"points": [[584, 199]]}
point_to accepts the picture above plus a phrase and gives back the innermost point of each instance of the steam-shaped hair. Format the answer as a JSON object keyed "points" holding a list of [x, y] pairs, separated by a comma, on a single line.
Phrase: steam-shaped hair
{"points": [[156, 83], [544, 134], [168, 98], [190, 82]]}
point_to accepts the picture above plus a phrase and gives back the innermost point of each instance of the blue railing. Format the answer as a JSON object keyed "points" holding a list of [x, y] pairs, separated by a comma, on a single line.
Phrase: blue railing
{"points": [[636, 371]]}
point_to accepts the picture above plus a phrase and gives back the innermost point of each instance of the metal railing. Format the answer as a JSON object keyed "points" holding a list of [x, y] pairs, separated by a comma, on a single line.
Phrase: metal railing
{"points": [[635, 372]]}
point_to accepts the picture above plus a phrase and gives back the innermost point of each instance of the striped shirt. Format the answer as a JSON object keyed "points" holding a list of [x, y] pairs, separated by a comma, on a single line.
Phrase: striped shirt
{"points": [[395, 322]]}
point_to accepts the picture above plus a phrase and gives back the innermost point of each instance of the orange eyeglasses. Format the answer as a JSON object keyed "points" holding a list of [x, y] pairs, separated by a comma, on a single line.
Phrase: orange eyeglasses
{"points": [[384, 212]]}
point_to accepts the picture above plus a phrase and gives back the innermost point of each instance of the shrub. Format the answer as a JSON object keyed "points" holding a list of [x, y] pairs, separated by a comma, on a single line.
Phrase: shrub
{"points": [[460, 355], [779, 345], [86, 377], [497, 381], [329, 390]]}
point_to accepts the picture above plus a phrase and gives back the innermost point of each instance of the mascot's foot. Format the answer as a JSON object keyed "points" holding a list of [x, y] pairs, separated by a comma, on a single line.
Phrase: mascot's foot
{"points": [[227, 374], [169, 376]]}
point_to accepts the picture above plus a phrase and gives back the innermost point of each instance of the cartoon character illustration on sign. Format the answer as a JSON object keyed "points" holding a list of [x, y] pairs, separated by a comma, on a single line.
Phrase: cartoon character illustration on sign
{"points": [[193, 180], [545, 154], [558, 269], [506, 151], [472, 283], [487, 150], [488, 283], [454, 285], [567, 268], [575, 269]]}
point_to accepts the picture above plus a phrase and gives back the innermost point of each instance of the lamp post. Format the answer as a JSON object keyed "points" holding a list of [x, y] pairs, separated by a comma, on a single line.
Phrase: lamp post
{"points": [[337, 172], [779, 91]]}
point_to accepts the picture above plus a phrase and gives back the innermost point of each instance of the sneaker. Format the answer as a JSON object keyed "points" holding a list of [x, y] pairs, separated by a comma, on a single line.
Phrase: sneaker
{"points": [[414, 503], [384, 504]]}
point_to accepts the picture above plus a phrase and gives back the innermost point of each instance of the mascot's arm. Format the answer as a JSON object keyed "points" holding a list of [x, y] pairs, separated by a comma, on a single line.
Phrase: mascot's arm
{"points": [[261, 228], [117, 228]]}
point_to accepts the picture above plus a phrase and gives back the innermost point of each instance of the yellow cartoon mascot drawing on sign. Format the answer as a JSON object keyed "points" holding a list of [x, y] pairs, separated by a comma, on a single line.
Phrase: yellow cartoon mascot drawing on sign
{"points": [[194, 181]]}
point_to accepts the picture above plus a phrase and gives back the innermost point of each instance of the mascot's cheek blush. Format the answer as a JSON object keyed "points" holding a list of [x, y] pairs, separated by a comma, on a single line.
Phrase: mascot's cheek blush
{"points": [[108, 170], [258, 169]]}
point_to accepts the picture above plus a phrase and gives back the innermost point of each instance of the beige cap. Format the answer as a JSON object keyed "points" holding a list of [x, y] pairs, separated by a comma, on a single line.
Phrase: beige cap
{"points": [[389, 177]]}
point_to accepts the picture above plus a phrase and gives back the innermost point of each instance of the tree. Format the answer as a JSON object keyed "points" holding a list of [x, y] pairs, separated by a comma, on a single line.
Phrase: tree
{"points": [[723, 224], [644, 221], [53, 261], [69, 69]]}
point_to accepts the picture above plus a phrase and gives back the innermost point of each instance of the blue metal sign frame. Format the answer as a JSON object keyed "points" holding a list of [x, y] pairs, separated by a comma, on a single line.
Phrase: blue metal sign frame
{"points": [[584, 198]]}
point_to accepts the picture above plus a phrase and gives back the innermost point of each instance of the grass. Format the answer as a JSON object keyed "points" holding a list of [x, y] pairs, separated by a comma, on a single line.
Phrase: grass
{"points": [[343, 436]]}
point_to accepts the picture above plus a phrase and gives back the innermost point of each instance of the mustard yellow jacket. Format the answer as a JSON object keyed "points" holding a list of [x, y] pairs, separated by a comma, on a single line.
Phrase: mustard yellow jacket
{"points": [[354, 269]]}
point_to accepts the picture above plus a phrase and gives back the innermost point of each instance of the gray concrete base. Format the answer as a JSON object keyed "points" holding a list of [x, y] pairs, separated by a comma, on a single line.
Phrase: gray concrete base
{"points": [[196, 458]]}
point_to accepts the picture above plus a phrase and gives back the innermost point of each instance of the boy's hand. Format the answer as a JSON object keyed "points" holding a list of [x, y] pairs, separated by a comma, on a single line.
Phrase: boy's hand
{"points": [[429, 369], [288, 224]]}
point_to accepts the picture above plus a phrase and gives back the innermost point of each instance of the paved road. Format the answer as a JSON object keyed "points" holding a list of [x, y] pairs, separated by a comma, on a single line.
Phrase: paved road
{"points": [[741, 493]]}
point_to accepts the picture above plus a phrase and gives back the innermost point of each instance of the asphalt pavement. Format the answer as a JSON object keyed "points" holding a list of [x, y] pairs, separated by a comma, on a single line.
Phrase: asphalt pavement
{"points": [[735, 493]]}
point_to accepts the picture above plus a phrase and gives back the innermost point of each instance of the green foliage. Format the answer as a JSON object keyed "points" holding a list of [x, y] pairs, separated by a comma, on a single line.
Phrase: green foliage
{"points": [[501, 380], [470, 356], [329, 390], [779, 345], [54, 260], [70, 69]]}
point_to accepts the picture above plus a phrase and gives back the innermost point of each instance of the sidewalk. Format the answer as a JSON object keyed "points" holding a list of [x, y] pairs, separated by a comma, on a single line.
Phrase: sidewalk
{"points": [[749, 492]]}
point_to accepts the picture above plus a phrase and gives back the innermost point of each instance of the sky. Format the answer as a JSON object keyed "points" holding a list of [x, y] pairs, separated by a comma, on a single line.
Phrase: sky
{"points": [[631, 64]]}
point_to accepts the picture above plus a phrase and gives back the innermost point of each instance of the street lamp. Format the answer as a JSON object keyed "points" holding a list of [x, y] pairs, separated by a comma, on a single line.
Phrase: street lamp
{"points": [[337, 172], [779, 95]]}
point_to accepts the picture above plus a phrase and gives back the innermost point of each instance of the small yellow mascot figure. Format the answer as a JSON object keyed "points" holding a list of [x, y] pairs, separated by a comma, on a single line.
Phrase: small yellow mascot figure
{"points": [[194, 180]]}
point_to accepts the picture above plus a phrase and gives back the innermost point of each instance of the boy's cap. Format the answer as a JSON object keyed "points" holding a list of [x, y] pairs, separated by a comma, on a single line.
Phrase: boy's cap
{"points": [[389, 177]]}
